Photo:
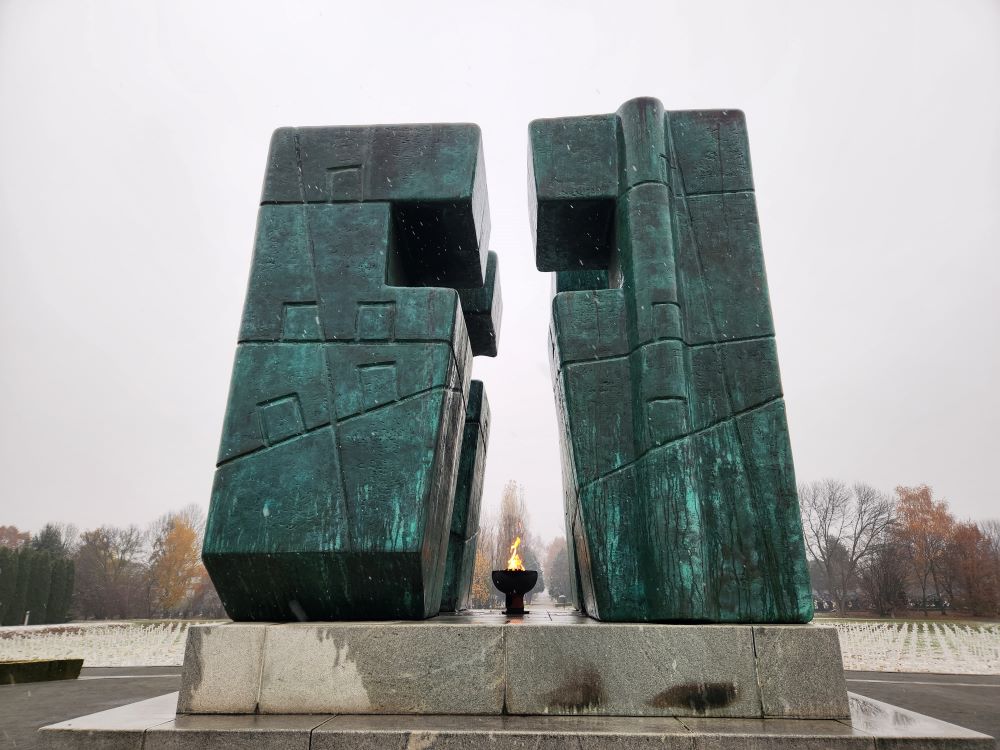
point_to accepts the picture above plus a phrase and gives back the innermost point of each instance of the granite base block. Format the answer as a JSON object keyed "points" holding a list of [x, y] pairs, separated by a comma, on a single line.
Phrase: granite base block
{"points": [[633, 670], [382, 668], [222, 665], [796, 668], [872, 725], [545, 663]]}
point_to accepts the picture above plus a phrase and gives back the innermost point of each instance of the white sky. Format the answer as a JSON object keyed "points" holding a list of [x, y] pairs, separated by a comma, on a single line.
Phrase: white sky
{"points": [[132, 144]]}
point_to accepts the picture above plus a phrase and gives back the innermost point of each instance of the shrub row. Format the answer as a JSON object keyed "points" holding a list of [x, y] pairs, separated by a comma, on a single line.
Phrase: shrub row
{"points": [[34, 583]]}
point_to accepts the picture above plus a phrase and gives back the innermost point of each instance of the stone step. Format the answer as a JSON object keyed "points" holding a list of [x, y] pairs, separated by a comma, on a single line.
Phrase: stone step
{"points": [[151, 725]]}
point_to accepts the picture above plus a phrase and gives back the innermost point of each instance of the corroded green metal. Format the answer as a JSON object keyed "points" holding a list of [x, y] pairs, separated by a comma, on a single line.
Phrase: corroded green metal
{"points": [[468, 495], [483, 308], [679, 486], [339, 457]]}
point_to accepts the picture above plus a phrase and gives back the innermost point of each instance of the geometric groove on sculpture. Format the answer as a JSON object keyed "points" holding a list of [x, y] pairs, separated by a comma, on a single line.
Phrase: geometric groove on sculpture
{"points": [[468, 496], [339, 457], [679, 485]]}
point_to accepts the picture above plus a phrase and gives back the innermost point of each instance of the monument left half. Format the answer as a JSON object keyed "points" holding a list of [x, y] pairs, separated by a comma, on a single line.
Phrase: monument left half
{"points": [[339, 461]]}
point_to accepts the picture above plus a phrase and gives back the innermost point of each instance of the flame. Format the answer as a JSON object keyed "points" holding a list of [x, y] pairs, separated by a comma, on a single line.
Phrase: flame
{"points": [[515, 563]]}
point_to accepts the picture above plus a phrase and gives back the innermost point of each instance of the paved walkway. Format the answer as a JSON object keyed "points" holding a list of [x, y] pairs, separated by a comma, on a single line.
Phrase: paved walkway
{"points": [[25, 708], [970, 701]]}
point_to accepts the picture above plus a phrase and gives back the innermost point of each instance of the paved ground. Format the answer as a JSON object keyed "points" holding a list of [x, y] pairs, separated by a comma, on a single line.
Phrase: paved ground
{"points": [[972, 702], [25, 708]]}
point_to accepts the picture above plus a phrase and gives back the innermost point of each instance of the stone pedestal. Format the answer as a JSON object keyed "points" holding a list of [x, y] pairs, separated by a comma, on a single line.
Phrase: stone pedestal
{"points": [[547, 681], [543, 663]]}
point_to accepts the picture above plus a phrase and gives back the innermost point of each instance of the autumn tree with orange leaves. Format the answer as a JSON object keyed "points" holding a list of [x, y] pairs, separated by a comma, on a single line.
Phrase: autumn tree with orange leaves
{"points": [[13, 538], [973, 569], [175, 563], [924, 528], [482, 594]]}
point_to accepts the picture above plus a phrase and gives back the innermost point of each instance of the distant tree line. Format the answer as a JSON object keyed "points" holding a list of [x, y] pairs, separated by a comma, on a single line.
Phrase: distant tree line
{"points": [[868, 551], [110, 572], [872, 551]]}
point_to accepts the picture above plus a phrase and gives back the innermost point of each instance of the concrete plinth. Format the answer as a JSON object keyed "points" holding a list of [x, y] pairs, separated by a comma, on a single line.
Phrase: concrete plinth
{"points": [[151, 725], [542, 664]]}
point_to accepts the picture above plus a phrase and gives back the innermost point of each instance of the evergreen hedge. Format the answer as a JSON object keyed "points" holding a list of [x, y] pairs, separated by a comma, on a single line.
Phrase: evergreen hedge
{"points": [[8, 584], [39, 582], [35, 582], [60, 591], [25, 557]]}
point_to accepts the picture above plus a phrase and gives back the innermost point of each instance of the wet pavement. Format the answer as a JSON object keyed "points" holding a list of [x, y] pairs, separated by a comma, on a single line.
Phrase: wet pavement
{"points": [[25, 708], [969, 701]]}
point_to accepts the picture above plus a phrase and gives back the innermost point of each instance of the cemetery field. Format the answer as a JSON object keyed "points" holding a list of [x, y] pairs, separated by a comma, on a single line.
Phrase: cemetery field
{"points": [[870, 645], [139, 643], [912, 645], [970, 622]]}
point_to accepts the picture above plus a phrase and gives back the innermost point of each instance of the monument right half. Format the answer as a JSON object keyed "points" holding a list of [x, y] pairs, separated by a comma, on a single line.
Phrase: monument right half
{"points": [[679, 486]]}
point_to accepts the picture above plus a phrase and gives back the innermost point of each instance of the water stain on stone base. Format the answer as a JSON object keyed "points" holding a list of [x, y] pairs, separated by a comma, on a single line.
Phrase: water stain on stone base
{"points": [[581, 690], [698, 697]]}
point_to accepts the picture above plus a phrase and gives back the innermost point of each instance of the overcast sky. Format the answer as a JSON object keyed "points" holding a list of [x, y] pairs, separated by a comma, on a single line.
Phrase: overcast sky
{"points": [[133, 137]]}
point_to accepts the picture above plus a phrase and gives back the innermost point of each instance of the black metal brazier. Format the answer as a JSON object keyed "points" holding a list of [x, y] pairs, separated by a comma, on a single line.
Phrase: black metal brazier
{"points": [[515, 584]]}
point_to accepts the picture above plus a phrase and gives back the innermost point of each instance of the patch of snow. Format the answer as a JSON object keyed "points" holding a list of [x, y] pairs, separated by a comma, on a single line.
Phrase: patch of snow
{"points": [[104, 644], [942, 648]]}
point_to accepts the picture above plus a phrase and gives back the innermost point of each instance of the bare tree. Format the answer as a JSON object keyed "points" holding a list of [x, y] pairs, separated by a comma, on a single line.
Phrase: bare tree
{"points": [[192, 515], [111, 576], [841, 525], [513, 523], [557, 569], [990, 529], [883, 574]]}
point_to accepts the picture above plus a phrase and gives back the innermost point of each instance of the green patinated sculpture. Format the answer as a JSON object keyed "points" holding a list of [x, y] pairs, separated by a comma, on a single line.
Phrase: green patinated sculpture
{"points": [[468, 494], [341, 447], [679, 486]]}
